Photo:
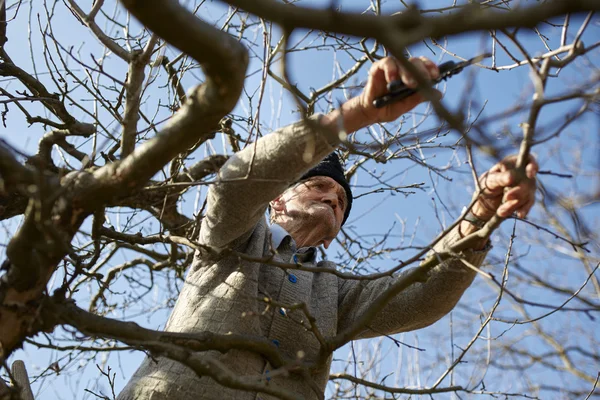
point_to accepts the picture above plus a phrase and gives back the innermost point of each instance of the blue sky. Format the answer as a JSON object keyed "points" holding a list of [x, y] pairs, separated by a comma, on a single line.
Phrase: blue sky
{"points": [[425, 212]]}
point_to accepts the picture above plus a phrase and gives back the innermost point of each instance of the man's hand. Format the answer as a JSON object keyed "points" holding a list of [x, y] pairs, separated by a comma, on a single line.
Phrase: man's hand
{"points": [[388, 70], [359, 111], [503, 193]]}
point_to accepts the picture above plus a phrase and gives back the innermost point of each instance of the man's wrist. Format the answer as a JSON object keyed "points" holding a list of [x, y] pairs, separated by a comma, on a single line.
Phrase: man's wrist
{"points": [[470, 224], [474, 219], [352, 116]]}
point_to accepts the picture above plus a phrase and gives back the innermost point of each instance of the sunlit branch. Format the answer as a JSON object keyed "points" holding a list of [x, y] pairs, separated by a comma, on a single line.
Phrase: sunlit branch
{"points": [[389, 389]]}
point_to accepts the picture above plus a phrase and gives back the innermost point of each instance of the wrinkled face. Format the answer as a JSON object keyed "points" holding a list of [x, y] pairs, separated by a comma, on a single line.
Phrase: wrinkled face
{"points": [[319, 204]]}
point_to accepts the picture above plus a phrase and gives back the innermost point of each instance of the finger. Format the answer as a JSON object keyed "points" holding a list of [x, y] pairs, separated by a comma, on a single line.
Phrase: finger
{"points": [[408, 104], [531, 169], [408, 78], [414, 100], [507, 208], [390, 69], [520, 206], [432, 68], [523, 193], [523, 211], [509, 161], [377, 66], [404, 106], [496, 182], [531, 159], [376, 69], [499, 167], [494, 169], [485, 210], [376, 84]]}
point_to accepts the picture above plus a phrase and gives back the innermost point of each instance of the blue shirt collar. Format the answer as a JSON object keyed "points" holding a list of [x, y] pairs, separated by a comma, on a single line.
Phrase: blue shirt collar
{"points": [[277, 235]]}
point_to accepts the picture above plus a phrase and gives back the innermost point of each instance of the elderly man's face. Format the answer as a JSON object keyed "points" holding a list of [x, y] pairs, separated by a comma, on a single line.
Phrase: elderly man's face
{"points": [[316, 204]]}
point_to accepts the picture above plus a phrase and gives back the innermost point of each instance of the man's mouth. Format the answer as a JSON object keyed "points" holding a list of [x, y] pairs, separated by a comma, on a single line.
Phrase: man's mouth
{"points": [[325, 205]]}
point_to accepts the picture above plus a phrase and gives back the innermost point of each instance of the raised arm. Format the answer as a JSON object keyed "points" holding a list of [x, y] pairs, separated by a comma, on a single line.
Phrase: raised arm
{"points": [[256, 175], [421, 304], [260, 172]]}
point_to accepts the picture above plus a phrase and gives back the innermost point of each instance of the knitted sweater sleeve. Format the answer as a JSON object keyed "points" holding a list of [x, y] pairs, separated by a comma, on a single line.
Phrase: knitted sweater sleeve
{"points": [[254, 176], [417, 306]]}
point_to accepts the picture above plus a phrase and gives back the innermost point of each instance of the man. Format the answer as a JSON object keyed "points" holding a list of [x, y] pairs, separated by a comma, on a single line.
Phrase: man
{"points": [[243, 293]]}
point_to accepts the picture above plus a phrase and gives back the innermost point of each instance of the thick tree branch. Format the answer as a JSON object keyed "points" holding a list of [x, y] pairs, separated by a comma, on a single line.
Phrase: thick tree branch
{"points": [[132, 334], [411, 22], [12, 172], [182, 347], [224, 61], [51, 223], [58, 137], [159, 199]]}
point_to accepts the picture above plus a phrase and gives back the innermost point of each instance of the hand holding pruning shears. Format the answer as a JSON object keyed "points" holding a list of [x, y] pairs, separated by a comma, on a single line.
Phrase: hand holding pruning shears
{"points": [[391, 91], [398, 90]]}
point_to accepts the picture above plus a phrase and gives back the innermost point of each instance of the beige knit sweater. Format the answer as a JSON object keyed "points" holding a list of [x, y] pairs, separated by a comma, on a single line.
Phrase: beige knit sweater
{"points": [[227, 295]]}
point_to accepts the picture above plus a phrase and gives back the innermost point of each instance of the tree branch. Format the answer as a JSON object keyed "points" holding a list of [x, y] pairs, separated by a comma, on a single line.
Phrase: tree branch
{"points": [[88, 20], [44, 239], [224, 61], [411, 22], [135, 80], [66, 312], [52, 102], [389, 389]]}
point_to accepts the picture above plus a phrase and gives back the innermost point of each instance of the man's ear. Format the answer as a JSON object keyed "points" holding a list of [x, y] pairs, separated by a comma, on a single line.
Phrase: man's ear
{"points": [[278, 204]]}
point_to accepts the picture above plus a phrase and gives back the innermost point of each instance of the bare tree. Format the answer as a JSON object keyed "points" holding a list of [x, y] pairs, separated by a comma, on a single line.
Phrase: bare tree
{"points": [[117, 117]]}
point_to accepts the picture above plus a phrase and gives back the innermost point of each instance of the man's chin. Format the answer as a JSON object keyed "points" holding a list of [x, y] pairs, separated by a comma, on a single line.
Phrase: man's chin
{"points": [[326, 218], [319, 216], [324, 212]]}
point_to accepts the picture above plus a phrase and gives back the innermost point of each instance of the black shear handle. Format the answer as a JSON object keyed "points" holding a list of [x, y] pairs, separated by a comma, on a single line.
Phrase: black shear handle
{"points": [[398, 90]]}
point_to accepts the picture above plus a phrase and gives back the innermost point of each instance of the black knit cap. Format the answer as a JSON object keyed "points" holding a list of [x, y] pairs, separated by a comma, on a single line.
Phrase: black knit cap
{"points": [[332, 167]]}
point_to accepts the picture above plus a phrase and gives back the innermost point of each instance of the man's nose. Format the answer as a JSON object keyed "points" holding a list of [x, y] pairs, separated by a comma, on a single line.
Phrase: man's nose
{"points": [[330, 199]]}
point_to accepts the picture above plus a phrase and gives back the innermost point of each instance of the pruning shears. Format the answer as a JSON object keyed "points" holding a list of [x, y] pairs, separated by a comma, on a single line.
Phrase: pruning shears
{"points": [[398, 90]]}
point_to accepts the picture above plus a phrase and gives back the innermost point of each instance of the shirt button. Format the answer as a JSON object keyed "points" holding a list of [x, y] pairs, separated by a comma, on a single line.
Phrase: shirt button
{"points": [[275, 342], [282, 311], [267, 375], [292, 278]]}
